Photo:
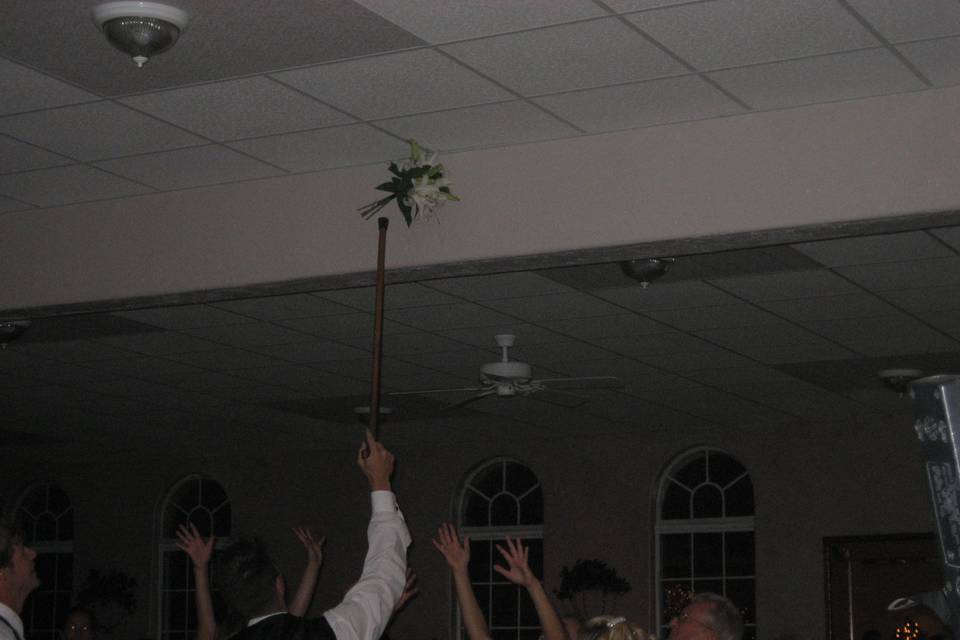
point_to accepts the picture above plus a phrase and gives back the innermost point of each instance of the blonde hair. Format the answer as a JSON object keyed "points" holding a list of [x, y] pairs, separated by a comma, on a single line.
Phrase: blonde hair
{"points": [[612, 628]]}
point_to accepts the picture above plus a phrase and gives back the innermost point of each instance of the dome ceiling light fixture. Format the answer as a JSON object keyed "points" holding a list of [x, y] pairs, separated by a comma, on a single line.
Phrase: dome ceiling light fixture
{"points": [[140, 29], [647, 270]]}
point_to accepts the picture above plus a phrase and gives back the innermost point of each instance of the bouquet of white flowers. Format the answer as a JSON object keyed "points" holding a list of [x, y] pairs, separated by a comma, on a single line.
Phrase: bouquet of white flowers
{"points": [[419, 186]]}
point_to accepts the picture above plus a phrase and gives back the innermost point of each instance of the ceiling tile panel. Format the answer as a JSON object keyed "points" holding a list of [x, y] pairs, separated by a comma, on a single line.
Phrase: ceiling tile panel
{"points": [[786, 285], [854, 305], [653, 344], [841, 76], [455, 20], [297, 305], [688, 361], [489, 125], [242, 108], [570, 351], [74, 351], [158, 343], [950, 235], [768, 335], [225, 359], [555, 306], [681, 295], [96, 130], [463, 362], [9, 204], [20, 156], [938, 60], [324, 148], [567, 57], [898, 21], [483, 337], [136, 366], [936, 272], [347, 325], [624, 324], [641, 105], [810, 352], [395, 296], [725, 316], [885, 336], [395, 84], [448, 316], [946, 321], [498, 286], [925, 300], [249, 335], [192, 167], [184, 316], [25, 90], [729, 33], [892, 247], [64, 185]]}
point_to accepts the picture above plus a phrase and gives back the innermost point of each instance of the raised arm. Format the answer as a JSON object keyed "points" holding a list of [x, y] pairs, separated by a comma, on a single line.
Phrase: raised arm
{"points": [[518, 572], [199, 551], [368, 605], [308, 582], [458, 557]]}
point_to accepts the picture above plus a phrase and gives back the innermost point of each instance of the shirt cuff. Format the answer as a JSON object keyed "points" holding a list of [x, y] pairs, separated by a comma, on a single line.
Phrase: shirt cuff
{"points": [[383, 501]]}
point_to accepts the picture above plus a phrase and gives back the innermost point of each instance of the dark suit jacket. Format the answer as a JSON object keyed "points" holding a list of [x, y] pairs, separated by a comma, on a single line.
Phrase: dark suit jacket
{"points": [[288, 627]]}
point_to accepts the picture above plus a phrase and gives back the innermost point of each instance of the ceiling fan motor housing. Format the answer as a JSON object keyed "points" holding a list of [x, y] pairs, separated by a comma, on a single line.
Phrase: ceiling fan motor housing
{"points": [[497, 371]]}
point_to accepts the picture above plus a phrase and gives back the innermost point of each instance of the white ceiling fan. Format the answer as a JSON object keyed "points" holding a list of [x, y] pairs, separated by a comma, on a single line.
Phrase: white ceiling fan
{"points": [[507, 377]]}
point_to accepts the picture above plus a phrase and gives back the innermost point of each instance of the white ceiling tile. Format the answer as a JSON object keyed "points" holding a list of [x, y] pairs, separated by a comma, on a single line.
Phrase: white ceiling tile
{"points": [[623, 6], [841, 76], [567, 57], [680, 295], [700, 318], [185, 168], [20, 156], [641, 104], [555, 306], [654, 344], [767, 335], [897, 20], [413, 342], [935, 272], [498, 286], [893, 247], [463, 362], [74, 350], [854, 305], [316, 351], [395, 296], [324, 148], [938, 60], [448, 316], [570, 351], [9, 204], [624, 324], [348, 325], [62, 185], [297, 305], [488, 125], [96, 130], [395, 84], [136, 366], [947, 321], [687, 361], [235, 109], [786, 284], [183, 316], [810, 352], [448, 20], [728, 33], [25, 90], [950, 235], [925, 299], [157, 343], [249, 335], [225, 359], [483, 337], [887, 335]]}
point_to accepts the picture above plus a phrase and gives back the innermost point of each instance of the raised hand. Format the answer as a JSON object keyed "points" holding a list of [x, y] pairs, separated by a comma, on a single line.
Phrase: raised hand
{"points": [[518, 568], [410, 589], [376, 463], [190, 541], [456, 554], [314, 547]]}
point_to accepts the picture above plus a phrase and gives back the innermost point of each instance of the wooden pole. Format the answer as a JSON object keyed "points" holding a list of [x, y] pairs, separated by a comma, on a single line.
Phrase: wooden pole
{"points": [[378, 332]]}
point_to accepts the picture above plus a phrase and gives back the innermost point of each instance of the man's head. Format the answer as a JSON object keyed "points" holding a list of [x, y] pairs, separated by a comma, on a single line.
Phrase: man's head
{"points": [[248, 579], [17, 575], [707, 616]]}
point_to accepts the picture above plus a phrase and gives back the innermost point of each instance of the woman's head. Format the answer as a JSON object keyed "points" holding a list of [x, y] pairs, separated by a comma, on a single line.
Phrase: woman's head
{"points": [[612, 628]]}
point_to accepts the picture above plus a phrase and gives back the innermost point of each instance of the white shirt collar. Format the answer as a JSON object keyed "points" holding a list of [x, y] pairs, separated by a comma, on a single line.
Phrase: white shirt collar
{"points": [[253, 621], [11, 616]]}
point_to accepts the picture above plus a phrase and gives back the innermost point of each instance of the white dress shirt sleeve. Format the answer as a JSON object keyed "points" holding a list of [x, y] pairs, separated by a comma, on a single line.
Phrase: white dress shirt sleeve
{"points": [[367, 607]]}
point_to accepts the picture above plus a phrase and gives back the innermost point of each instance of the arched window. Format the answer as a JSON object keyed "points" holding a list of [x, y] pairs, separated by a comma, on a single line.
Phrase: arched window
{"points": [[705, 534], [45, 514], [202, 502], [502, 498]]}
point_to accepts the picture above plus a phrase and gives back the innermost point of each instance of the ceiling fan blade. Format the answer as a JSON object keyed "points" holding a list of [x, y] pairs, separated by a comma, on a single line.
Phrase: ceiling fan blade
{"points": [[586, 382], [451, 390], [457, 405]]}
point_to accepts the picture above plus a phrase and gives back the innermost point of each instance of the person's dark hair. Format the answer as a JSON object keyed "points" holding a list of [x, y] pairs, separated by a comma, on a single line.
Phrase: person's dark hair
{"points": [[246, 576], [85, 611], [725, 618], [10, 536]]}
